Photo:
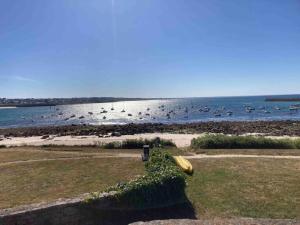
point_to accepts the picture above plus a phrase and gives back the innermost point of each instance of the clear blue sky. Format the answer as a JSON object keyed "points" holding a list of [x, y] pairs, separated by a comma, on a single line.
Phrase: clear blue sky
{"points": [[149, 48]]}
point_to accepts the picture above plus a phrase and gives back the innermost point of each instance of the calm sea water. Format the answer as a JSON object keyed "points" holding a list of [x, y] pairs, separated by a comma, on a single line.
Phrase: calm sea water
{"points": [[154, 111]]}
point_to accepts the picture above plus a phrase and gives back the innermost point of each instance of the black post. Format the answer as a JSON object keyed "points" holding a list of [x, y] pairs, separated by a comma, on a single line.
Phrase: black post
{"points": [[146, 149]]}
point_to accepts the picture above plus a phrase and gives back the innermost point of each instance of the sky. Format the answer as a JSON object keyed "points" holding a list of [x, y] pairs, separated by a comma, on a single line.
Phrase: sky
{"points": [[149, 48]]}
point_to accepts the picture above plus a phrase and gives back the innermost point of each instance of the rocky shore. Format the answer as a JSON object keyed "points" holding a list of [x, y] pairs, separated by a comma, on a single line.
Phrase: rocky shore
{"points": [[272, 128]]}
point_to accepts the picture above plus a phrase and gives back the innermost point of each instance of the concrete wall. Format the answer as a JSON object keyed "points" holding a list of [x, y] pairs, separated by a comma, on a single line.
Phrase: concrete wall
{"points": [[71, 211]]}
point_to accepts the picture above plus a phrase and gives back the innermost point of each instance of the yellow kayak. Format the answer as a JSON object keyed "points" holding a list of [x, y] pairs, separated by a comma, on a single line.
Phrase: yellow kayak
{"points": [[184, 164]]}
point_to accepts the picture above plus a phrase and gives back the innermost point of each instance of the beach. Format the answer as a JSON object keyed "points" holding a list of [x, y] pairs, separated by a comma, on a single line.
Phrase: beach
{"points": [[180, 134]]}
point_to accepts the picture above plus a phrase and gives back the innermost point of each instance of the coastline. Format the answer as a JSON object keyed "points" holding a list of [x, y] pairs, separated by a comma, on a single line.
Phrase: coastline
{"points": [[180, 140], [268, 128]]}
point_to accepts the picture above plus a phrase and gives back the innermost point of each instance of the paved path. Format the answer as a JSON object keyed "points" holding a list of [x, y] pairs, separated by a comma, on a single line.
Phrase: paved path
{"points": [[132, 155]]}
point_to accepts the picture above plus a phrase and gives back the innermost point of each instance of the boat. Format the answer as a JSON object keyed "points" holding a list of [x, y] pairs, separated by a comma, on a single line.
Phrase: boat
{"points": [[184, 164], [229, 113], [147, 114], [148, 109], [90, 113], [294, 107], [123, 111], [129, 114], [72, 116], [140, 113], [104, 117], [206, 109], [104, 111], [81, 117]]}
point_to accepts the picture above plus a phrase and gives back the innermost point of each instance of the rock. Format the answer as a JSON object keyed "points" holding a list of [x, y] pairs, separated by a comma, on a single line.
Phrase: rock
{"points": [[45, 136], [116, 134]]}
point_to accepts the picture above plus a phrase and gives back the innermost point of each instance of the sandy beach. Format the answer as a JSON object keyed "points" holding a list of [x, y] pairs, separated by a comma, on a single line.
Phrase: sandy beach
{"points": [[181, 140]]}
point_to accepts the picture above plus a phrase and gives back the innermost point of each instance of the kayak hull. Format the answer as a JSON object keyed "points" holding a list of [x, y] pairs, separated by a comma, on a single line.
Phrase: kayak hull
{"points": [[184, 164]]}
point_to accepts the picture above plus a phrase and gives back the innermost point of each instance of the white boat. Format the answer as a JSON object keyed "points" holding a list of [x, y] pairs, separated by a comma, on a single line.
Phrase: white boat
{"points": [[294, 107]]}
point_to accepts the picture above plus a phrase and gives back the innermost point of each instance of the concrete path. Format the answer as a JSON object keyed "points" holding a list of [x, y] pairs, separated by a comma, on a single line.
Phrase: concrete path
{"points": [[131, 155]]}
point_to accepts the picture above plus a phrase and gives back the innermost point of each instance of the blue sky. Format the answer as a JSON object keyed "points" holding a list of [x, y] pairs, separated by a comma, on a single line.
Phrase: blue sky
{"points": [[149, 48]]}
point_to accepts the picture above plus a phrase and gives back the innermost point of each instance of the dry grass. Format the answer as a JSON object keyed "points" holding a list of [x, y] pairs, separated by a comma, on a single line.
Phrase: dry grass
{"points": [[26, 183], [18, 154], [267, 188], [260, 188], [293, 152]]}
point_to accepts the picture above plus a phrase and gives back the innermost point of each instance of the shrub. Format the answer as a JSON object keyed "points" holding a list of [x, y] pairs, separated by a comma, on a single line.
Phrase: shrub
{"points": [[2, 146], [163, 185], [139, 143], [241, 142], [297, 143]]}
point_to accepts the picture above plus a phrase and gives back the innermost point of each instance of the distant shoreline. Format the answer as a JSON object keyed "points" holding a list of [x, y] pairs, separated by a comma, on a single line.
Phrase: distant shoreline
{"points": [[70, 101], [282, 99]]}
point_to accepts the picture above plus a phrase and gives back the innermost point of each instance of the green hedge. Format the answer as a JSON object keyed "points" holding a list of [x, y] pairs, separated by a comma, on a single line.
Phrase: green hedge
{"points": [[139, 143], [242, 142], [163, 185]]}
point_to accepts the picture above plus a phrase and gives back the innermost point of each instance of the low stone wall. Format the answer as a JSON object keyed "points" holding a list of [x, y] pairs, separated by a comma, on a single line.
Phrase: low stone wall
{"points": [[77, 211], [74, 211]]}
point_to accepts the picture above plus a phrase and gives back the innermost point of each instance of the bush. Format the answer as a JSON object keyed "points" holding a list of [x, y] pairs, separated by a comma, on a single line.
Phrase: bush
{"points": [[242, 142], [2, 146], [163, 185], [139, 143]]}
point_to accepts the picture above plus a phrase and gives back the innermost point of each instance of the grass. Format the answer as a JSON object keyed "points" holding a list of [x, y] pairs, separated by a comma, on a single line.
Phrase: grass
{"points": [[242, 142], [275, 152], [21, 154], [259, 188], [26, 183]]}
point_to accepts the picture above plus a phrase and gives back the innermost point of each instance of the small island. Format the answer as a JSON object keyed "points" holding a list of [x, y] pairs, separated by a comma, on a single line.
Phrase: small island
{"points": [[297, 99]]}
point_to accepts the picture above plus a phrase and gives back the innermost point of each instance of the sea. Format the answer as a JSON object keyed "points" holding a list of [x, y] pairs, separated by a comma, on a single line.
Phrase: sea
{"points": [[183, 110]]}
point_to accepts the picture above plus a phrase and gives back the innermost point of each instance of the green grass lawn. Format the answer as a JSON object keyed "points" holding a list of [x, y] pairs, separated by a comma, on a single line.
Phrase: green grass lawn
{"points": [[259, 188], [19, 154], [293, 152], [26, 183]]}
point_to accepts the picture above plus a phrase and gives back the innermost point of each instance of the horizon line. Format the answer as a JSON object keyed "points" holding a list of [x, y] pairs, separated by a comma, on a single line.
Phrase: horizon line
{"points": [[154, 98]]}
